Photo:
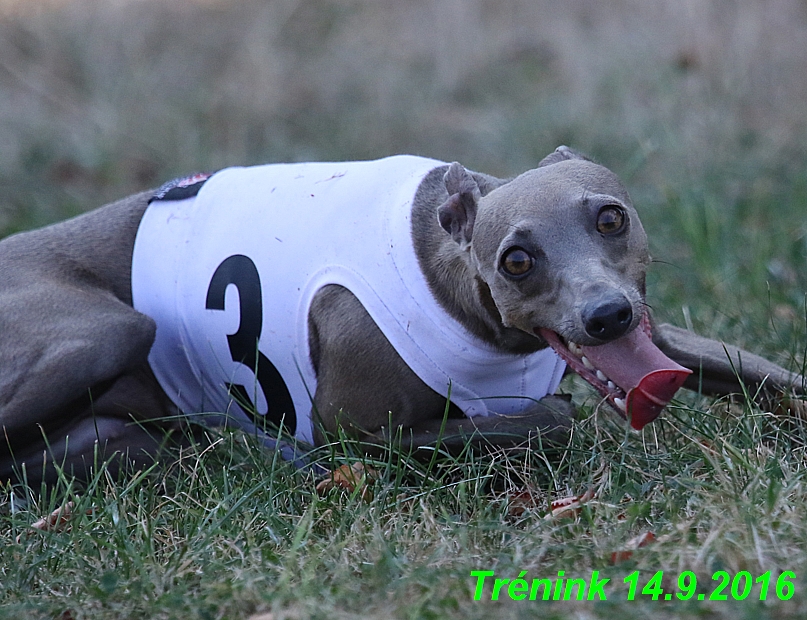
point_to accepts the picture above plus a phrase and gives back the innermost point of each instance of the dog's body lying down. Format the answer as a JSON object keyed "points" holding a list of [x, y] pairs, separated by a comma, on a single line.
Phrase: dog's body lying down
{"points": [[366, 293]]}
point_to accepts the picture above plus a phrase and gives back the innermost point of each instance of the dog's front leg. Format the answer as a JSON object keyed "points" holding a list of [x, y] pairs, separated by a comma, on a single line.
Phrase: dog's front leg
{"points": [[363, 385], [545, 425], [718, 368], [365, 390]]}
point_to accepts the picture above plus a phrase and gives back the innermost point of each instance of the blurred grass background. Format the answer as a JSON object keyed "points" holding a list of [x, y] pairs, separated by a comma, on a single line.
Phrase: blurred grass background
{"points": [[700, 106]]}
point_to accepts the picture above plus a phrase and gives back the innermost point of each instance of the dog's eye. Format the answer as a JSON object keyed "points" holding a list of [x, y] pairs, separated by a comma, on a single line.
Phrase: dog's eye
{"points": [[611, 220], [517, 262]]}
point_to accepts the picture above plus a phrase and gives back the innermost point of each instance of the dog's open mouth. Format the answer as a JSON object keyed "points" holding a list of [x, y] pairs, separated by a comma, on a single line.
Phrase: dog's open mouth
{"points": [[631, 373]]}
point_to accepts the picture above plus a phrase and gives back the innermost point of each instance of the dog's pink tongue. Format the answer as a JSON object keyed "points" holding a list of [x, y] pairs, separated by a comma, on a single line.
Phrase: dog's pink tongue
{"points": [[649, 378]]}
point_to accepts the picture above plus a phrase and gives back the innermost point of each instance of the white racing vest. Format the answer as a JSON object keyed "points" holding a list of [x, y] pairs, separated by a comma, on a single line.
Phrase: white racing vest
{"points": [[229, 275]]}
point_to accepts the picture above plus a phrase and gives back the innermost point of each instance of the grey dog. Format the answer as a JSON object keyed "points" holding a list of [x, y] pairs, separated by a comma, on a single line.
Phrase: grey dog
{"points": [[555, 257]]}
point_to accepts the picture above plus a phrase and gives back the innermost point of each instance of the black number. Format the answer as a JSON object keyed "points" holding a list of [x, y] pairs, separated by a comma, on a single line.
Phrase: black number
{"points": [[241, 272]]}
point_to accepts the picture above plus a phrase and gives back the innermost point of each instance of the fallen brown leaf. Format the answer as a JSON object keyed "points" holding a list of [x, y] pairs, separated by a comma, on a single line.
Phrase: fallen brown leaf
{"points": [[788, 405], [634, 543], [55, 521], [520, 502], [350, 478], [569, 507]]}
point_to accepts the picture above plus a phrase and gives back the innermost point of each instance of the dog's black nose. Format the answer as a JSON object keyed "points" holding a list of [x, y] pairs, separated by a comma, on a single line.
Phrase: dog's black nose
{"points": [[608, 320]]}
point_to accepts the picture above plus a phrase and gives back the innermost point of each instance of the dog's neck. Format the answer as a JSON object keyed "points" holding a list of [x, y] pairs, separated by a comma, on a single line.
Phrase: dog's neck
{"points": [[452, 279]]}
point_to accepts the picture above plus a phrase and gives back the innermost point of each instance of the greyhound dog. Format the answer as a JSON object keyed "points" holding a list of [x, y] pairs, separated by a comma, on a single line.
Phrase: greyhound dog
{"points": [[403, 298]]}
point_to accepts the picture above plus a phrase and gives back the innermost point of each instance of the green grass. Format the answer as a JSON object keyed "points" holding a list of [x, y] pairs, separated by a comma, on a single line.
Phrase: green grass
{"points": [[700, 112], [230, 531]]}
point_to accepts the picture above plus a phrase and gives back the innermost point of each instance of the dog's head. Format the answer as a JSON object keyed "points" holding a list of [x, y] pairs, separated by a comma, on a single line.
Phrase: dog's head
{"points": [[564, 255]]}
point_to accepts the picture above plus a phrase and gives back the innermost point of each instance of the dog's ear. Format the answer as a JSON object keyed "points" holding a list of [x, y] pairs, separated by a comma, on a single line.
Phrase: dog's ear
{"points": [[562, 153], [458, 214]]}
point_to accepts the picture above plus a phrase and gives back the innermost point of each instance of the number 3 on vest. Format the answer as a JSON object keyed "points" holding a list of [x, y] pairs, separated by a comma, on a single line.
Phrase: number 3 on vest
{"points": [[240, 271]]}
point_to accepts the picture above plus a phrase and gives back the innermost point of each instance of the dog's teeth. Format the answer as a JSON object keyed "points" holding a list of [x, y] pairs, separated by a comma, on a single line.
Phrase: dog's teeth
{"points": [[611, 385], [621, 404], [587, 363], [601, 376], [575, 348]]}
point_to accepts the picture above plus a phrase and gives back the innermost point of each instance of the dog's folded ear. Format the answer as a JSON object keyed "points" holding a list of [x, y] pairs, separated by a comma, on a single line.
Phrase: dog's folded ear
{"points": [[562, 153], [458, 214]]}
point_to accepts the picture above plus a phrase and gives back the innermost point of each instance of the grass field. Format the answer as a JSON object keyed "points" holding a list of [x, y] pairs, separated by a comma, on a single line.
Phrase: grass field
{"points": [[698, 106]]}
